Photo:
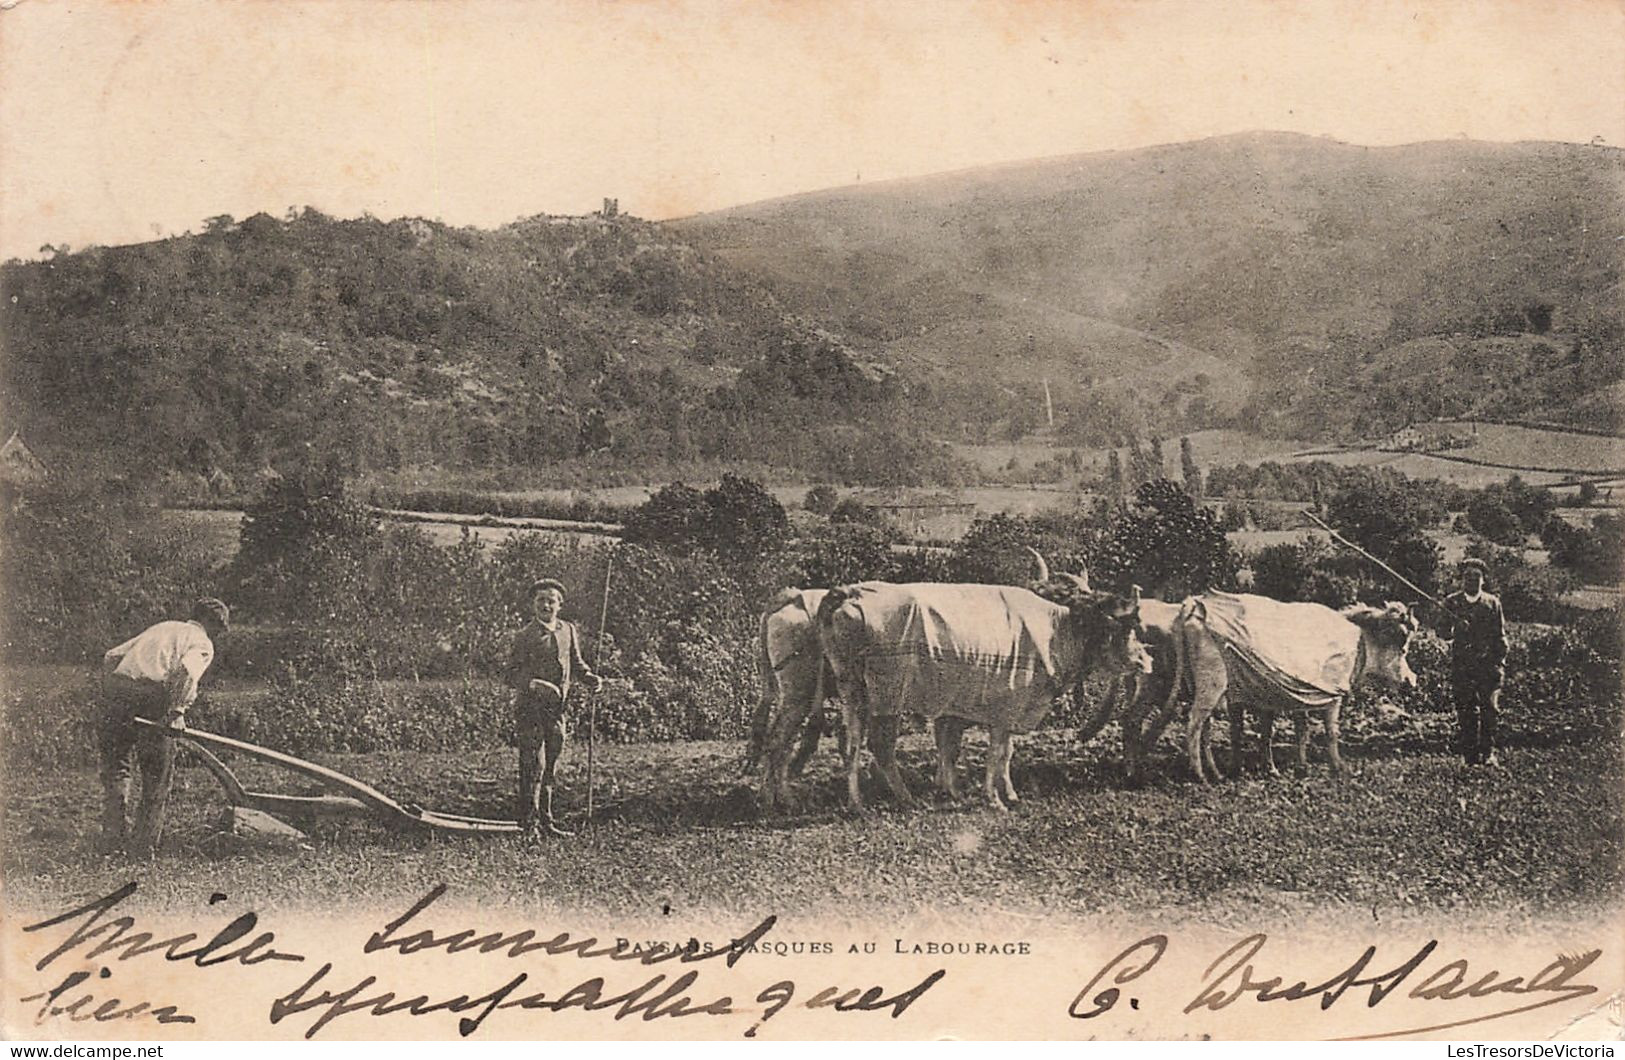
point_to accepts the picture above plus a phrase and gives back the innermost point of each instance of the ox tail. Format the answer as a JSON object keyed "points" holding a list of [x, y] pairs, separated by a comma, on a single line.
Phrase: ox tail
{"points": [[831, 603], [1189, 611], [815, 718]]}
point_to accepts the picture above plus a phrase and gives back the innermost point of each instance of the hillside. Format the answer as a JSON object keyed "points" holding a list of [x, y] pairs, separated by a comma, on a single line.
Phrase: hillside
{"points": [[1190, 282], [589, 346]]}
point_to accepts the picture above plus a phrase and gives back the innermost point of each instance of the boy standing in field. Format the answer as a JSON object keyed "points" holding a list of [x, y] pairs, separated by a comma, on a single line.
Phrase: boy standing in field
{"points": [[544, 662], [153, 675], [1474, 624]]}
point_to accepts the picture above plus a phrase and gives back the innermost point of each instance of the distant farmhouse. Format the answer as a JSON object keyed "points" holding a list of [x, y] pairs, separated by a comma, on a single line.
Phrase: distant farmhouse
{"points": [[1427, 438]]}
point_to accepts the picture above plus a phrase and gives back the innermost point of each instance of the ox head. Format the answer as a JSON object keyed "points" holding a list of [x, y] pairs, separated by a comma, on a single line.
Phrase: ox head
{"points": [[1387, 632], [1107, 624]]}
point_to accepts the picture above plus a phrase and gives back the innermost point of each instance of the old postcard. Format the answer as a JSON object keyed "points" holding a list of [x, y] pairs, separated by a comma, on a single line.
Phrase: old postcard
{"points": [[810, 521]]}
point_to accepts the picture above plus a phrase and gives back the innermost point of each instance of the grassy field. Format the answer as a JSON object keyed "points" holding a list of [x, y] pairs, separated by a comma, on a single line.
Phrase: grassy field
{"points": [[1500, 444], [1412, 832]]}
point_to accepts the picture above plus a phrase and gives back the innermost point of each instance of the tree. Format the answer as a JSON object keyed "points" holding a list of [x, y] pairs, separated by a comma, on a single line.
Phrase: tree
{"points": [[1114, 474], [1166, 543], [672, 518], [1188, 469], [745, 519], [303, 528], [994, 550], [1490, 517]]}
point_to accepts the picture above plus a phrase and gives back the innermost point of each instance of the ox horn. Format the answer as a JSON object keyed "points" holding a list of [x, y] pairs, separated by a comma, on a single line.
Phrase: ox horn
{"points": [[1043, 565]]}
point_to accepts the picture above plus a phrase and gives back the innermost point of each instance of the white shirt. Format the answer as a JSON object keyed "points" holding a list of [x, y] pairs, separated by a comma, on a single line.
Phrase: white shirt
{"points": [[173, 654]]}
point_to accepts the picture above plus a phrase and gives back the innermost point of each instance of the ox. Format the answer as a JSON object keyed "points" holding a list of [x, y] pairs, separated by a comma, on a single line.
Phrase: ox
{"points": [[1281, 657], [1151, 704], [983, 654], [795, 683]]}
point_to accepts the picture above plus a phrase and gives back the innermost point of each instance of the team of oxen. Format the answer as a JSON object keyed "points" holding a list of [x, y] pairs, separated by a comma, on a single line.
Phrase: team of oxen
{"points": [[1000, 656]]}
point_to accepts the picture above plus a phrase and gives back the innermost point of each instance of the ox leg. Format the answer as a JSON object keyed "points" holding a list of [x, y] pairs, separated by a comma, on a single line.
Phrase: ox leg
{"points": [[950, 733], [779, 737], [1159, 715], [853, 723], [1300, 729], [1266, 726], [1005, 756], [809, 740], [1107, 707], [1238, 736], [1208, 761], [756, 749], [1203, 705], [1133, 720], [998, 746], [1332, 726], [883, 742]]}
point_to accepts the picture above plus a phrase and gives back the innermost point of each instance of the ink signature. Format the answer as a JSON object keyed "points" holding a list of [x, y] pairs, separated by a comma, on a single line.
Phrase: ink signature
{"points": [[1235, 974]]}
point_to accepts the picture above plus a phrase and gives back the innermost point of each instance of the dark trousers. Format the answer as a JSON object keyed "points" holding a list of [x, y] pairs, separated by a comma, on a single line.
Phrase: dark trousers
{"points": [[126, 751], [540, 736], [1477, 702]]}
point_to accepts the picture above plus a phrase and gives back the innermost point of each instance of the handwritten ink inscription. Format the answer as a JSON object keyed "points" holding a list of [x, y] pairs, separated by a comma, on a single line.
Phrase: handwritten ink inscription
{"points": [[93, 933], [655, 980], [1236, 975]]}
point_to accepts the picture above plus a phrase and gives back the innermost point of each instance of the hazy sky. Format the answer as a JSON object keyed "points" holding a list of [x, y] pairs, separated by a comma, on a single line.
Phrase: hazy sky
{"points": [[120, 121]]}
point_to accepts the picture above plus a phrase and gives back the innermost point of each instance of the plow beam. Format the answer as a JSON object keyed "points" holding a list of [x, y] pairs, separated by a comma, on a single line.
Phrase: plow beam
{"points": [[354, 798]]}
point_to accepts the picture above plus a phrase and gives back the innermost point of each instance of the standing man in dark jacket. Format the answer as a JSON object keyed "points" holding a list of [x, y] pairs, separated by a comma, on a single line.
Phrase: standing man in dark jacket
{"points": [[545, 661], [1474, 625]]}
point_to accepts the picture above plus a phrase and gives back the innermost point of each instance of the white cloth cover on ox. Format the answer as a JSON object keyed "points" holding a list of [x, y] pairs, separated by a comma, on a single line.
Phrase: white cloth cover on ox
{"points": [[791, 638], [984, 653], [1305, 652]]}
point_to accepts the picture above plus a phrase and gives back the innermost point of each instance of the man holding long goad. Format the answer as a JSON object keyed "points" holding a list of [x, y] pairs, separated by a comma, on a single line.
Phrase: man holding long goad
{"points": [[1472, 620], [153, 675], [545, 660]]}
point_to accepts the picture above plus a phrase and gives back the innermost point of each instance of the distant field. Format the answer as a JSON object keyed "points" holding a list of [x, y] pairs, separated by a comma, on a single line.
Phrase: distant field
{"points": [[1210, 448], [1499, 444], [219, 530], [1571, 455]]}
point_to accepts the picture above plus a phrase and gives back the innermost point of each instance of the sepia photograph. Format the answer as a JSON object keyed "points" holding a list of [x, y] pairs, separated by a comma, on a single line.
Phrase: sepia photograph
{"points": [[812, 520]]}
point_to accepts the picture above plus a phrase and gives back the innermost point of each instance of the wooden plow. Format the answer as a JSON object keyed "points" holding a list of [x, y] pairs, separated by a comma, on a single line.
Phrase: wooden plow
{"points": [[352, 797]]}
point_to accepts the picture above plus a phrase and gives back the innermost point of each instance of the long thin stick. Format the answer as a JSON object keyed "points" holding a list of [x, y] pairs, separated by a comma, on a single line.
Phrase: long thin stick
{"points": [[597, 660], [1346, 543]]}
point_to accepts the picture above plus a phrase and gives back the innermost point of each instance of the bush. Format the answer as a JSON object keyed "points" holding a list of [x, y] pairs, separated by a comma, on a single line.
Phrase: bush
{"points": [[85, 567], [737, 518], [305, 716], [841, 553], [821, 499], [1281, 571]]}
